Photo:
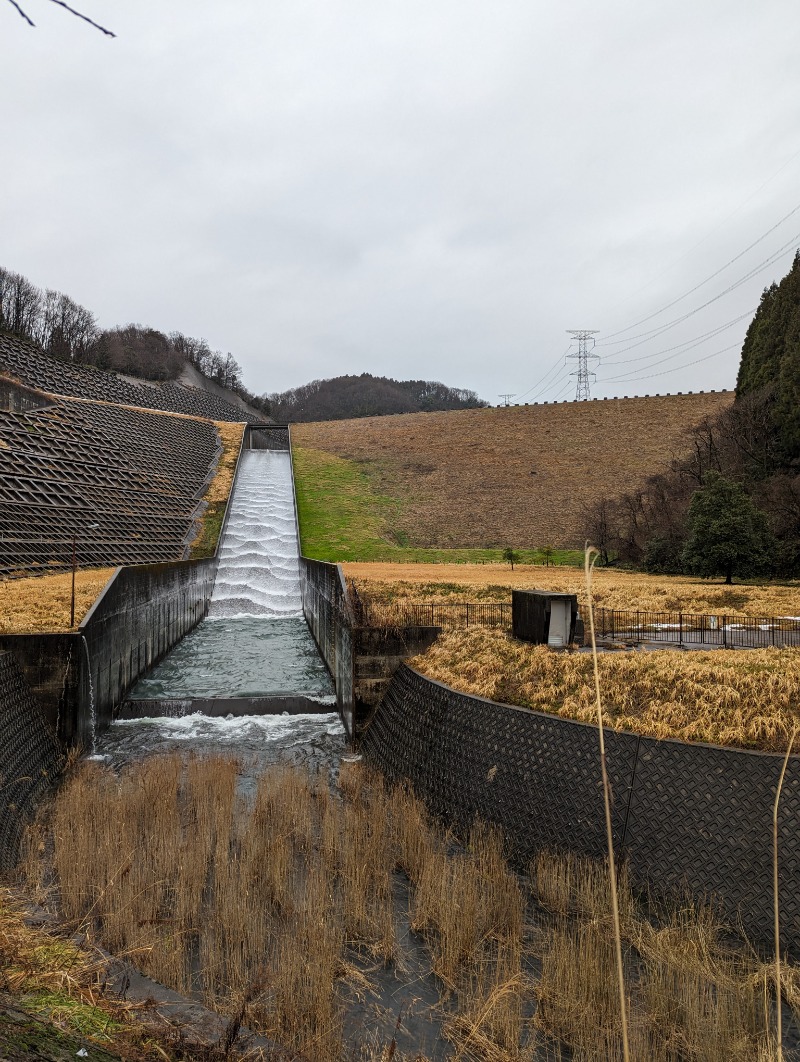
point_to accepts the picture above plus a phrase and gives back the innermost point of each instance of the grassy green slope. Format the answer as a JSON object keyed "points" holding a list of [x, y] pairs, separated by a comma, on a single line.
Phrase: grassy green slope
{"points": [[342, 518]]}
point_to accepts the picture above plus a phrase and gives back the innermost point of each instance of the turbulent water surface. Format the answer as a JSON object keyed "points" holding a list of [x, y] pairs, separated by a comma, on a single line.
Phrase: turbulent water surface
{"points": [[317, 741], [255, 641]]}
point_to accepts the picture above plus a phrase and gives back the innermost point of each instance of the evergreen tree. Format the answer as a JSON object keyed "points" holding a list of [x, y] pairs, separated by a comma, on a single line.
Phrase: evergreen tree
{"points": [[728, 533], [770, 365]]}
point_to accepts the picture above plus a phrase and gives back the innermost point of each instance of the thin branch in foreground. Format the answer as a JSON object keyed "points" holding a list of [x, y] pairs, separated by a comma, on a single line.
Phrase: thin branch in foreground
{"points": [[590, 556], [72, 11], [775, 900], [16, 5]]}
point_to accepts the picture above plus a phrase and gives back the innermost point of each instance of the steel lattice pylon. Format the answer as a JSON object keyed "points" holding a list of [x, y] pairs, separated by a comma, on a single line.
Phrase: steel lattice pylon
{"points": [[584, 337]]}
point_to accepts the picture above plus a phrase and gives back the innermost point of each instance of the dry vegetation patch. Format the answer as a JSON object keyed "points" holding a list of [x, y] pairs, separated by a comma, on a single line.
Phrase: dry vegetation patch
{"points": [[230, 436], [611, 588], [41, 603], [219, 489], [748, 698], [518, 476], [278, 908]]}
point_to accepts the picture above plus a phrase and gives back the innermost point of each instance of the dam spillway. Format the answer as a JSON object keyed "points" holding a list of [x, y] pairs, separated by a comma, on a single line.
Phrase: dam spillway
{"points": [[254, 641], [258, 575]]}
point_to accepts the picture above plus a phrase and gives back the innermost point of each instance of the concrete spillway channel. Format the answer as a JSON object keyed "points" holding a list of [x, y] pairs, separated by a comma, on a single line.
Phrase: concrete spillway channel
{"points": [[249, 678]]}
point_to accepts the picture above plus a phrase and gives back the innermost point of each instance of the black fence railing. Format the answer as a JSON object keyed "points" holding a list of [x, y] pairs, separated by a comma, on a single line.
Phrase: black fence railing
{"points": [[681, 628], [686, 628], [434, 614]]}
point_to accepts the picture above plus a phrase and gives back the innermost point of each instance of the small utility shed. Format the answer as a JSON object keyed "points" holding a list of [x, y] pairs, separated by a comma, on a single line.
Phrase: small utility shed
{"points": [[544, 617]]}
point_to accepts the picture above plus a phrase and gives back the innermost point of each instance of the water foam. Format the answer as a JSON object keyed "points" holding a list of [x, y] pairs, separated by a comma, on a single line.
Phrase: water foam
{"points": [[259, 568]]}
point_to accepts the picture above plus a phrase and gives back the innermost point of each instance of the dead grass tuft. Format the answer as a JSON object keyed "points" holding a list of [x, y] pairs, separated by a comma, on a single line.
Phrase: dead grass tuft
{"points": [[392, 584], [230, 436], [270, 906], [747, 698]]}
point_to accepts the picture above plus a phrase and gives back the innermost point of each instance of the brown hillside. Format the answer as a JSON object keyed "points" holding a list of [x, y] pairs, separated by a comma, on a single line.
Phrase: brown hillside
{"points": [[519, 475]]}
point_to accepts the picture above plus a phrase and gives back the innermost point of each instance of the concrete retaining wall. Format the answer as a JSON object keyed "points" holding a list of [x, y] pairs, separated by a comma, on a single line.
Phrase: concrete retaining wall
{"points": [[80, 679], [696, 816], [15, 398], [361, 660], [327, 611]]}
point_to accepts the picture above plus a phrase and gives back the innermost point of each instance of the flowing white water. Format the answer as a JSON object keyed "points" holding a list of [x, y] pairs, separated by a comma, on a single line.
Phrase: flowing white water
{"points": [[255, 641], [259, 574]]}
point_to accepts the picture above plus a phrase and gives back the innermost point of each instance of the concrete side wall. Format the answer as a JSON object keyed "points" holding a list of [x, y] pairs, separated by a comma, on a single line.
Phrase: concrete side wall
{"points": [[14, 398], [695, 816], [327, 612], [378, 653], [145, 611], [81, 679], [361, 660], [30, 757], [52, 666], [276, 438]]}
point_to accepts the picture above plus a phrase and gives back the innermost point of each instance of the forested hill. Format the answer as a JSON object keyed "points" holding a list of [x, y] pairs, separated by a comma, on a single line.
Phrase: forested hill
{"points": [[69, 332], [347, 397], [769, 371]]}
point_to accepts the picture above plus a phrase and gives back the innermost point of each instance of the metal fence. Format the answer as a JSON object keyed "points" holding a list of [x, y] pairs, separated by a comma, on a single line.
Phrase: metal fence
{"points": [[683, 628], [435, 614], [677, 628]]}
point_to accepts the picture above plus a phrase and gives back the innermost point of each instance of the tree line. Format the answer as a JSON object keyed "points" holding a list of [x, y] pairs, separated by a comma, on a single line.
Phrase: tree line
{"points": [[731, 505], [69, 332], [365, 395]]}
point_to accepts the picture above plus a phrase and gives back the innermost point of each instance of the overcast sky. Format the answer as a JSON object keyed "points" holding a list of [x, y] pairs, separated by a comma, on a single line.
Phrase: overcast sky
{"points": [[412, 188]]}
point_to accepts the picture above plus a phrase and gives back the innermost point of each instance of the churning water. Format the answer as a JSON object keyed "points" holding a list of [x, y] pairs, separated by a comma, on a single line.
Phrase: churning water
{"points": [[315, 741], [255, 641]]}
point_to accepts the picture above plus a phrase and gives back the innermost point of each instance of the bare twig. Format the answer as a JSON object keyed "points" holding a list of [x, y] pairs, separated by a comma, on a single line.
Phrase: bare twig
{"points": [[776, 902], [590, 557], [72, 11], [16, 5]]}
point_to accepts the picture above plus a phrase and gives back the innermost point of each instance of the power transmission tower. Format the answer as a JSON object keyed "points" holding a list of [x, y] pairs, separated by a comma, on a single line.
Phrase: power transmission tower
{"points": [[507, 398], [584, 337]]}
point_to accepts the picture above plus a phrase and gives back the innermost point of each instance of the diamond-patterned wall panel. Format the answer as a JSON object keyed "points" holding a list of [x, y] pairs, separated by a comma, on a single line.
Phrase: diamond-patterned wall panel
{"points": [[31, 366], [683, 815], [126, 482], [30, 758]]}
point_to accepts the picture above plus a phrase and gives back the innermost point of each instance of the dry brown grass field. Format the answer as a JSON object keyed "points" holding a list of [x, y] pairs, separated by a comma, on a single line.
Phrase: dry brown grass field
{"points": [[230, 436], [218, 490], [612, 588], [281, 907], [41, 603], [749, 698], [518, 476]]}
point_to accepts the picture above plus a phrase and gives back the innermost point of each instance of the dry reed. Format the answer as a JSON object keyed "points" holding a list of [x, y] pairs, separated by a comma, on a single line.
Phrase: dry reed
{"points": [[397, 583], [748, 698], [244, 902], [692, 995]]}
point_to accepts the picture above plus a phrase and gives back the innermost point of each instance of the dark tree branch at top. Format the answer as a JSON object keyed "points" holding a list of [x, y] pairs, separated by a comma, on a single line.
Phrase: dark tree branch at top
{"points": [[71, 10], [16, 5]]}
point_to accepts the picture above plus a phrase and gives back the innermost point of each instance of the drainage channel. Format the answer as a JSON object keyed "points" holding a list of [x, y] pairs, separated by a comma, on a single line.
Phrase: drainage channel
{"points": [[249, 680]]}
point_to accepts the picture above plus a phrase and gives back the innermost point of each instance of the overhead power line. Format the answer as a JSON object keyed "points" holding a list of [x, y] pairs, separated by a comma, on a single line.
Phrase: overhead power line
{"points": [[689, 344], [644, 336], [631, 377], [716, 273], [554, 368]]}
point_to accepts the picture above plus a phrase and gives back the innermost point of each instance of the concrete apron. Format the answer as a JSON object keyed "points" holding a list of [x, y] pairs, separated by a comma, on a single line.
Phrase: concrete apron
{"points": [[223, 707]]}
